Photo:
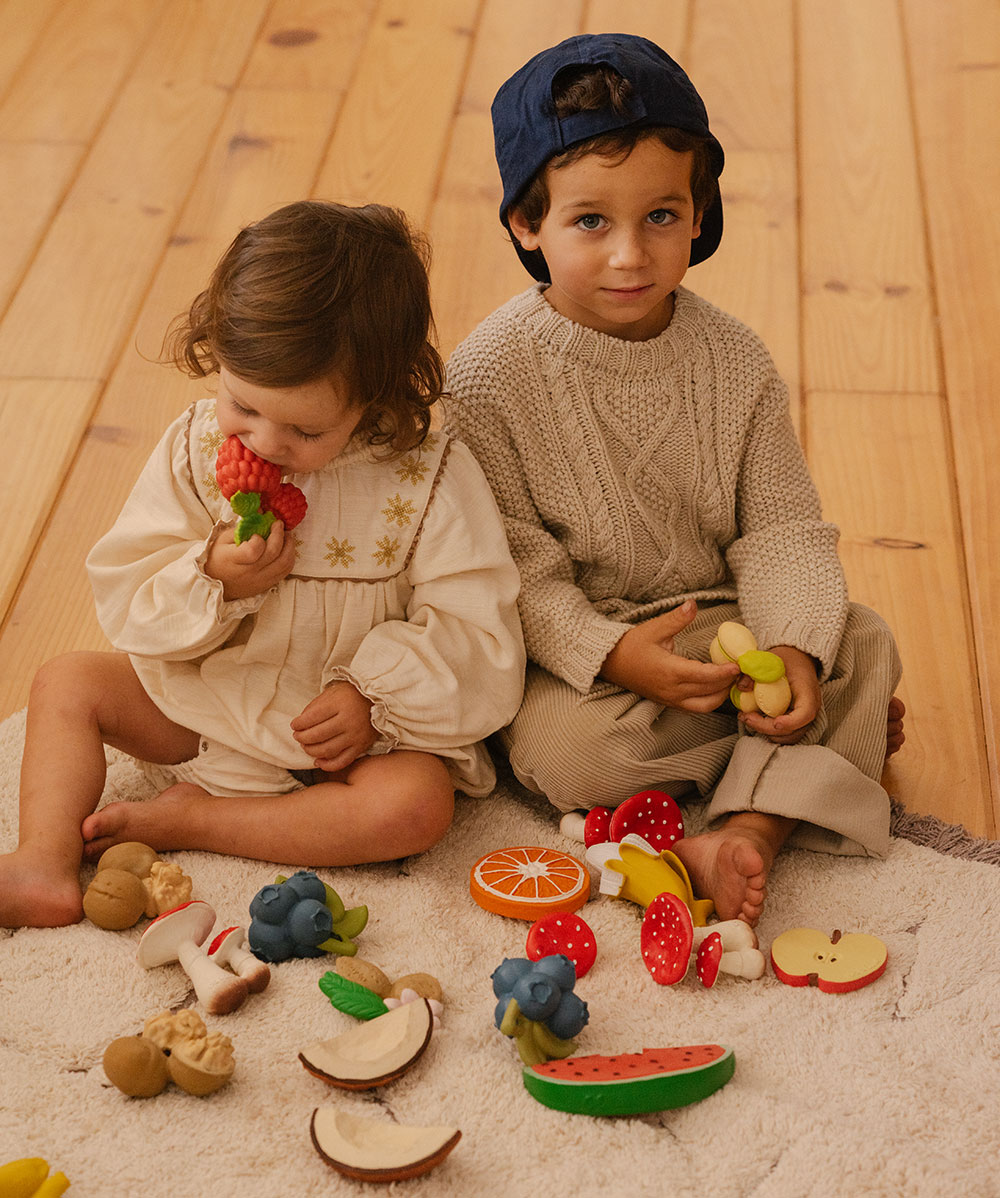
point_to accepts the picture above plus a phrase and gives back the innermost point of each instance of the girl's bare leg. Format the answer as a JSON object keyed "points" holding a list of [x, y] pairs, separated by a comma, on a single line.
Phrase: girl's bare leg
{"points": [[378, 809], [79, 703]]}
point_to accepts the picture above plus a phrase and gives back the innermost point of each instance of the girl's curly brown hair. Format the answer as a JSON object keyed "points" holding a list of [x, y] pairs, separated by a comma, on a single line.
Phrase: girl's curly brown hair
{"points": [[318, 288]]}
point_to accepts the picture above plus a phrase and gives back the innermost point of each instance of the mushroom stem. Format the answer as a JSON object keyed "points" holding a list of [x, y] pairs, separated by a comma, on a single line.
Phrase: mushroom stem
{"points": [[736, 934], [219, 991], [743, 963], [229, 948]]}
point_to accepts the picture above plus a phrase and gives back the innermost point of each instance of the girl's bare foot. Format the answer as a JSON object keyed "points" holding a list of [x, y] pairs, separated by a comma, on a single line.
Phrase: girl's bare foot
{"points": [[159, 822], [730, 864], [38, 891]]}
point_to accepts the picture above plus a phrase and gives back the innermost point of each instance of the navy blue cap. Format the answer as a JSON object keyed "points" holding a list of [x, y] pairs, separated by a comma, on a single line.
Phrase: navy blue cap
{"points": [[527, 132]]}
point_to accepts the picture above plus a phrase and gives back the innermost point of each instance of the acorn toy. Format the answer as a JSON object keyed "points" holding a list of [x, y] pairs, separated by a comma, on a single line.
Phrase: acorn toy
{"points": [[771, 693]]}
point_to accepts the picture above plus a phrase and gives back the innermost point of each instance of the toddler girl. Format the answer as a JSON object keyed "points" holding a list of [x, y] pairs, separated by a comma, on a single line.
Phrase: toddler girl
{"points": [[315, 697]]}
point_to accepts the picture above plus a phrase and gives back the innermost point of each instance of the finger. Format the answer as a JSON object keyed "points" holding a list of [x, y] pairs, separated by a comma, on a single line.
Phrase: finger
{"points": [[667, 625], [703, 678], [703, 704], [325, 732], [251, 551], [339, 762]]}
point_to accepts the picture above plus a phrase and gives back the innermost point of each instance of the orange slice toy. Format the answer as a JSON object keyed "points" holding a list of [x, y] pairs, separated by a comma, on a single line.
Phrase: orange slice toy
{"points": [[527, 882]]}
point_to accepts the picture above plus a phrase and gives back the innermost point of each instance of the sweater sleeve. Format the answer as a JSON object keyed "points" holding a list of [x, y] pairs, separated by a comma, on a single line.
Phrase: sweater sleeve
{"points": [[153, 596], [563, 631], [452, 672], [790, 580]]}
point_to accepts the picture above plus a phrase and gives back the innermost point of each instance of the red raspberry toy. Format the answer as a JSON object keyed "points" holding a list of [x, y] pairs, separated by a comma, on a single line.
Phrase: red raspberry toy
{"points": [[239, 471], [288, 504]]}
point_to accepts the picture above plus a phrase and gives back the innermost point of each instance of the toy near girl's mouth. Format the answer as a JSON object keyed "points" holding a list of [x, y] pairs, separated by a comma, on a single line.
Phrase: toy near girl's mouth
{"points": [[255, 491]]}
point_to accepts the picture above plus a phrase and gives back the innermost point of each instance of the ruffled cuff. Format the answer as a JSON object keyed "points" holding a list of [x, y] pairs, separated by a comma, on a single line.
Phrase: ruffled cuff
{"points": [[388, 736]]}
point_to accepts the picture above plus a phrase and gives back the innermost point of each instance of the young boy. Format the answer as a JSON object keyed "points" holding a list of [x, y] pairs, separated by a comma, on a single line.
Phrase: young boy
{"points": [[639, 444]]}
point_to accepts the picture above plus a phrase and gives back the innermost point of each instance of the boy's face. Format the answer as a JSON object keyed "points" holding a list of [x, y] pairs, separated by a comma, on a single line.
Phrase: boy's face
{"points": [[617, 238]]}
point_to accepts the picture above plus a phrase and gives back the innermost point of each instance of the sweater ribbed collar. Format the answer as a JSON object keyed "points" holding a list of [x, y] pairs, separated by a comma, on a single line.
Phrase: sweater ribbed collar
{"points": [[611, 355]]}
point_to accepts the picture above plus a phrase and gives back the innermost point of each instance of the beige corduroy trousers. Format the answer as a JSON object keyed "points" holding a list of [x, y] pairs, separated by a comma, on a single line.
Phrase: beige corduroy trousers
{"points": [[585, 750]]}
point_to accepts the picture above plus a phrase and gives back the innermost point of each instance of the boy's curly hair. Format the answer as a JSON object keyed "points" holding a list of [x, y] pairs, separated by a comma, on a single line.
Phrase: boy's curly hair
{"points": [[318, 288], [591, 89]]}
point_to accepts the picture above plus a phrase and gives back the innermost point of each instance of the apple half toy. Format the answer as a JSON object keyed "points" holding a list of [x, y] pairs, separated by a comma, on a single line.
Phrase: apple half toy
{"points": [[375, 1052], [835, 964], [372, 1150]]}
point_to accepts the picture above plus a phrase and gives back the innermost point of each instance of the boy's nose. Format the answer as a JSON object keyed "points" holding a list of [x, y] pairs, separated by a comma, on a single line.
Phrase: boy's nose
{"points": [[628, 250]]}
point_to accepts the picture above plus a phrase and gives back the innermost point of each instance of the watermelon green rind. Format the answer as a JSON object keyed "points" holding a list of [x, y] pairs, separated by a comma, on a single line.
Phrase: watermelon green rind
{"points": [[638, 1094]]}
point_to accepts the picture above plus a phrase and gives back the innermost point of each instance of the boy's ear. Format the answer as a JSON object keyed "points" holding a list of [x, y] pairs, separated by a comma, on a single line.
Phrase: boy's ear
{"points": [[521, 230], [696, 227]]}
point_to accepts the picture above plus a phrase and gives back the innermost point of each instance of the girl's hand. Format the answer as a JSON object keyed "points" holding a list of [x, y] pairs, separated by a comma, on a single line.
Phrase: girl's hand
{"points": [[789, 729], [645, 663], [335, 729], [253, 567]]}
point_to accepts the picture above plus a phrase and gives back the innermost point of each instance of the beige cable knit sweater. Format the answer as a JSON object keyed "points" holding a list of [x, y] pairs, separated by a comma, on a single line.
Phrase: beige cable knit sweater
{"points": [[633, 475]]}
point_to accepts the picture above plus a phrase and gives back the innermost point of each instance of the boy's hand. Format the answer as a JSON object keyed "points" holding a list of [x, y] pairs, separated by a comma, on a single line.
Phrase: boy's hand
{"points": [[644, 662], [335, 729], [253, 567], [789, 729]]}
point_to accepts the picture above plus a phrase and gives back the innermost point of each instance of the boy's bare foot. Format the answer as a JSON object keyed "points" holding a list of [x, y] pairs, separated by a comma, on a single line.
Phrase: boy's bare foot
{"points": [[894, 735], [158, 822], [730, 864], [38, 892]]}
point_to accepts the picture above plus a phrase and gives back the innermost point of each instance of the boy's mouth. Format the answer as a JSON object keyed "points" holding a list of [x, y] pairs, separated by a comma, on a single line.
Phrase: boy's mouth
{"points": [[629, 292]]}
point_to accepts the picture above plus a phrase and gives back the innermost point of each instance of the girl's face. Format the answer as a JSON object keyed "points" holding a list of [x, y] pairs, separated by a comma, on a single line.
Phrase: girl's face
{"points": [[300, 429], [617, 238]]}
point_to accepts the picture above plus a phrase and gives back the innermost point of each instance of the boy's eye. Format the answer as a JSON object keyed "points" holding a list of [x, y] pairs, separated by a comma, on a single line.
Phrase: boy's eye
{"points": [[589, 220], [660, 216]]}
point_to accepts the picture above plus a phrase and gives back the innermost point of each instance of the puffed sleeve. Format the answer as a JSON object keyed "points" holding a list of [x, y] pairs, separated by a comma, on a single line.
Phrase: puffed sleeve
{"points": [[153, 596], [452, 672]]}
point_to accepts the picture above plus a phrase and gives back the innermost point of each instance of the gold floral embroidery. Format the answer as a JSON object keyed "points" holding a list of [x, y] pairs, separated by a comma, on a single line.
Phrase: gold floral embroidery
{"points": [[211, 486], [411, 470], [211, 442], [341, 552], [398, 511], [388, 547]]}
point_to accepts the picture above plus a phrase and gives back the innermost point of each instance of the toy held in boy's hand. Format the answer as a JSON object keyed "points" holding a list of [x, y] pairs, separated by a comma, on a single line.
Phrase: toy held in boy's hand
{"points": [[302, 916], [835, 964], [537, 1007], [771, 693], [255, 491]]}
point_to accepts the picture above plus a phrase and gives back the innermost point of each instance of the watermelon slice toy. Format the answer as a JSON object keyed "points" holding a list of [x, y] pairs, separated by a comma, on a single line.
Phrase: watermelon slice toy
{"points": [[633, 1083]]}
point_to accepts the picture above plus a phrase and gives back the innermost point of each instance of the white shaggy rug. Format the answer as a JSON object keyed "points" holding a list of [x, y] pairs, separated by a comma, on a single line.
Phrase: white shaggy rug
{"points": [[889, 1090]]}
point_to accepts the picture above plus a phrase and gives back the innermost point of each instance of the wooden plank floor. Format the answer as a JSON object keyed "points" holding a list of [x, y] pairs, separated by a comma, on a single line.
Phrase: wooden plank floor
{"points": [[863, 242]]}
